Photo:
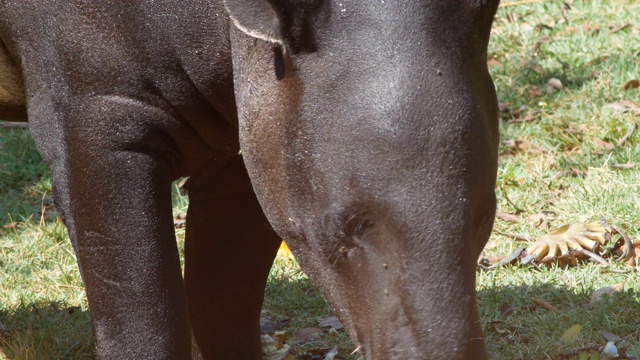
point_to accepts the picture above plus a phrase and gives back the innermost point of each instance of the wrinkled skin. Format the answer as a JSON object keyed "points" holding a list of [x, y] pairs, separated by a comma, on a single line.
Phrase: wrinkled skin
{"points": [[368, 132], [382, 184]]}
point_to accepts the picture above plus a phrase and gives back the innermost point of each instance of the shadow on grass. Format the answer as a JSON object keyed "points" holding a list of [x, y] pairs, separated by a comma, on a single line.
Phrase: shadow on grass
{"points": [[45, 331], [289, 294], [518, 326]]}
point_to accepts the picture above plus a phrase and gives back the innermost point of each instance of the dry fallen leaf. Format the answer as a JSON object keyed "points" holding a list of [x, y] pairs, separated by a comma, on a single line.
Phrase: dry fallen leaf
{"points": [[571, 333], [519, 146], [274, 350], [331, 321], [576, 172], [602, 145], [541, 219], [594, 352], [599, 294], [623, 166], [607, 336], [267, 325], [624, 106], [534, 92], [11, 225], [633, 253], [305, 335], [506, 309], [492, 62], [545, 305], [180, 221], [332, 353], [631, 84], [507, 217]]}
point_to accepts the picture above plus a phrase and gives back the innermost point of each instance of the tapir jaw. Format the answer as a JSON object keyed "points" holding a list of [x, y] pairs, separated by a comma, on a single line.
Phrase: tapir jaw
{"points": [[447, 335], [404, 291], [394, 312]]}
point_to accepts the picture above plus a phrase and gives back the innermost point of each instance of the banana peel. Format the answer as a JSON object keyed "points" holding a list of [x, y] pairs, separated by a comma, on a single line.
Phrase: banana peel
{"points": [[571, 243], [561, 241]]}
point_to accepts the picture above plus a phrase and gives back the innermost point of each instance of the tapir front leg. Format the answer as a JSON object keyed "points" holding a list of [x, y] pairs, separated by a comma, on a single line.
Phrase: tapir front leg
{"points": [[111, 184], [228, 253]]}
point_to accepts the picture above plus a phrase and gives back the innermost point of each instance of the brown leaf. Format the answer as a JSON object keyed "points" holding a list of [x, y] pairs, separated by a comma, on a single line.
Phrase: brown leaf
{"points": [[494, 258], [599, 294], [602, 145], [624, 106], [506, 309], [570, 30], [537, 218], [545, 305], [11, 225], [492, 62], [517, 113], [331, 321], [180, 221], [319, 354], [554, 194], [534, 92], [633, 253], [507, 217], [519, 146], [576, 172], [267, 326], [274, 350], [623, 166], [305, 335], [631, 84], [498, 330], [607, 336]]}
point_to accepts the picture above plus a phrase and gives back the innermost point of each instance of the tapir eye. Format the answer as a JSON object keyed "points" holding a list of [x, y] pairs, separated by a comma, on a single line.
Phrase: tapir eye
{"points": [[278, 62]]}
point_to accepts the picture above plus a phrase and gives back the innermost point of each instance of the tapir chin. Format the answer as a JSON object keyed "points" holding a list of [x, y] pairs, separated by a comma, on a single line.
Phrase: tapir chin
{"points": [[364, 132]]}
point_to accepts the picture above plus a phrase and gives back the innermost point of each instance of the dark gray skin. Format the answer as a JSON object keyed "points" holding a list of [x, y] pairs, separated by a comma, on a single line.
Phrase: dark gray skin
{"points": [[368, 132]]}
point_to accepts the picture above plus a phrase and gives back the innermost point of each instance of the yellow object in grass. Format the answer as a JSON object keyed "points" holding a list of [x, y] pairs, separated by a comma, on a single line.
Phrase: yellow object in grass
{"points": [[284, 252]]}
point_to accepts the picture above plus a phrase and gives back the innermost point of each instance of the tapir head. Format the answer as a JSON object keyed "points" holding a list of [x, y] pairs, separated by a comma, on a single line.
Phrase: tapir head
{"points": [[369, 129]]}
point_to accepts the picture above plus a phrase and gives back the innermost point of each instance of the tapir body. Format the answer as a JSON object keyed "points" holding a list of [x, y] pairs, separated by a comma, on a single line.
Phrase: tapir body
{"points": [[365, 131]]}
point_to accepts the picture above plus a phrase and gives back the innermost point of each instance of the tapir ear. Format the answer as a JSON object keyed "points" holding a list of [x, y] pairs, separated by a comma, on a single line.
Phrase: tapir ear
{"points": [[256, 18]]}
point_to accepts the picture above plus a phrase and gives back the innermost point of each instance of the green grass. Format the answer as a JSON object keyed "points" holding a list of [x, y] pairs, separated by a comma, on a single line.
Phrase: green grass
{"points": [[43, 311], [580, 47]]}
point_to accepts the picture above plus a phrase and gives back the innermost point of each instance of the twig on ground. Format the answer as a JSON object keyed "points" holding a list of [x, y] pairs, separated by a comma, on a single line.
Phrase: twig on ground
{"points": [[521, 2], [628, 134], [13, 125]]}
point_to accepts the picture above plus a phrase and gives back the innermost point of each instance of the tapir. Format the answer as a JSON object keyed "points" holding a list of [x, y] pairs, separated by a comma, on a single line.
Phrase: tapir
{"points": [[364, 132]]}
